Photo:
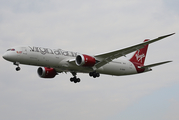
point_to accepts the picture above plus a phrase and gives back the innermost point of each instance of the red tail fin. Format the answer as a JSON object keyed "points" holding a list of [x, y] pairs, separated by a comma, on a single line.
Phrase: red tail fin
{"points": [[139, 57]]}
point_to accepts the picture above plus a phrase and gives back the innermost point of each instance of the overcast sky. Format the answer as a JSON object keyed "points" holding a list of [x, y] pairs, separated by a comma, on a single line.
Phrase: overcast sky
{"points": [[90, 27]]}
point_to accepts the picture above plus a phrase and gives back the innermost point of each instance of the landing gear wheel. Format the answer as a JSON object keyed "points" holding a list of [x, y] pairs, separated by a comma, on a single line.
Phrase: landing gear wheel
{"points": [[97, 74], [18, 68], [71, 79], [75, 80], [78, 80], [94, 74], [17, 64], [91, 74]]}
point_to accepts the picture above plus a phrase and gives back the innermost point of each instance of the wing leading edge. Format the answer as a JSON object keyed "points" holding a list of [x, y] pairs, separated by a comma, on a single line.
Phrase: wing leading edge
{"points": [[108, 57]]}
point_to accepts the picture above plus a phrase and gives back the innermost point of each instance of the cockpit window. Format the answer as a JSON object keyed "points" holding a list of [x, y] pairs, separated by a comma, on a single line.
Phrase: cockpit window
{"points": [[11, 50]]}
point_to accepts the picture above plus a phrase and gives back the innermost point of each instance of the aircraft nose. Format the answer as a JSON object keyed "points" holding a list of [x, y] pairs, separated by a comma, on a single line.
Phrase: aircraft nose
{"points": [[5, 56], [9, 56]]}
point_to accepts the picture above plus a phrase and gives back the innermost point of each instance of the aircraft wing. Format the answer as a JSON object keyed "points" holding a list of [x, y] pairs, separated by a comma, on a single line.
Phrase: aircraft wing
{"points": [[108, 57], [156, 64]]}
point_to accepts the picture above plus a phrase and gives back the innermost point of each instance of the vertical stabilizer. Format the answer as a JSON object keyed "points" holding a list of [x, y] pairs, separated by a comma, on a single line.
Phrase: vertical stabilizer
{"points": [[139, 57]]}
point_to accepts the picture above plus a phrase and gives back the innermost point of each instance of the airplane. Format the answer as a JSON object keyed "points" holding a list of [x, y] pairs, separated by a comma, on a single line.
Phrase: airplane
{"points": [[54, 61]]}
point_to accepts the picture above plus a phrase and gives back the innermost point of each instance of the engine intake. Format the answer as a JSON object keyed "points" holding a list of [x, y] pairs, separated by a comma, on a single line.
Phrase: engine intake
{"points": [[45, 72], [85, 60]]}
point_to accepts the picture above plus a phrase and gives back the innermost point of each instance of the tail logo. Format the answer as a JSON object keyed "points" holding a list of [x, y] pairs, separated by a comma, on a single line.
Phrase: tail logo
{"points": [[139, 57]]}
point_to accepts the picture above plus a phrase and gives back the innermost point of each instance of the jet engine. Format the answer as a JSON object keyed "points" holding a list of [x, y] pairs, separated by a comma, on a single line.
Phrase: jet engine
{"points": [[45, 72], [85, 60]]}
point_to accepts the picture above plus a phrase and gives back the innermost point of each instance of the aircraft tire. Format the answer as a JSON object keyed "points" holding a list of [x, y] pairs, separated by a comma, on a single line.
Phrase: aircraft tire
{"points": [[75, 80], [78, 80], [72, 79], [18, 68], [97, 74], [91, 74]]}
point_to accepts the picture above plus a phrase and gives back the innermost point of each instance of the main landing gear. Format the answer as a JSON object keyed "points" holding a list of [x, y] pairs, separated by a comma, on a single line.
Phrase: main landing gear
{"points": [[94, 74], [17, 64], [74, 79]]}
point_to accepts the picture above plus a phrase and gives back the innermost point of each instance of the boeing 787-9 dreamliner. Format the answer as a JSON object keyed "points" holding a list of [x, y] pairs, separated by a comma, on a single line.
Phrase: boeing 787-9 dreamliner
{"points": [[54, 61]]}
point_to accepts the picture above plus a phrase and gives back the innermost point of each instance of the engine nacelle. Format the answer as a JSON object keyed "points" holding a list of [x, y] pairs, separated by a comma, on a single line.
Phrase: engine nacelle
{"points": [[45, 72], [85, 60]]}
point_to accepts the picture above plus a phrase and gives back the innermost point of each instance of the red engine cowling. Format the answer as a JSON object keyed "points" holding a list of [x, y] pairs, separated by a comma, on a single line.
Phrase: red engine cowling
{"points": [[45, 72], [85, 60]]}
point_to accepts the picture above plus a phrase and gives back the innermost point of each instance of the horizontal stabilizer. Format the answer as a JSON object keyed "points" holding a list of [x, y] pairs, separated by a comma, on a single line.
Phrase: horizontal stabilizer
{"points": [[156, 64]]}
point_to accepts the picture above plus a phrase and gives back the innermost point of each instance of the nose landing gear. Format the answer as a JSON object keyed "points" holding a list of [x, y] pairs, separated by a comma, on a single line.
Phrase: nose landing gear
{"points": [[17, 64]]}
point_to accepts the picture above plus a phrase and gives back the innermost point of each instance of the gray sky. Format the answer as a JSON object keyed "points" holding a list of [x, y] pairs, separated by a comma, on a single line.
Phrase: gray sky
{"points": [[90, 27]]}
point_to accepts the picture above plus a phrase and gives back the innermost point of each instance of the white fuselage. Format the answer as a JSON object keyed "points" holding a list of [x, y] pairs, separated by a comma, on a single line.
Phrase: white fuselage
{"points": [[60, 61], [54, 61]]}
